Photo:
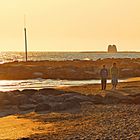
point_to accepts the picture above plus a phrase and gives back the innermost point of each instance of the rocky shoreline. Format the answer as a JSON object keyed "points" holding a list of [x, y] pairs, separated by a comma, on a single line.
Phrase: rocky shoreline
{"points": [[81, 112], [56, 100], [69, 70]]}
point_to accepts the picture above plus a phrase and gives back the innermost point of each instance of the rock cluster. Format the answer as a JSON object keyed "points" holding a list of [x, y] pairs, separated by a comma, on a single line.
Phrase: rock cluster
{"points": [[70, 70], [51, 100]]}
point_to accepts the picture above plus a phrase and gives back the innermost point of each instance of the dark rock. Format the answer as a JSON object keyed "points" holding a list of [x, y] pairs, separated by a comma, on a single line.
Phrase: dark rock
{"points": [[60, 98], [109, 99], [53, 99], [67, 105], [97, 99], [50, 91], [4, 103], [19, 99], [28, 92], [78, 98], [26, 107], [42, 107], [39, 98], [127, 101]]}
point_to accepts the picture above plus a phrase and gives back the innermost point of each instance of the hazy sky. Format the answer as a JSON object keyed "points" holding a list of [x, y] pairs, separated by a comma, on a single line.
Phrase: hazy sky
{"points": [[68, 25]]}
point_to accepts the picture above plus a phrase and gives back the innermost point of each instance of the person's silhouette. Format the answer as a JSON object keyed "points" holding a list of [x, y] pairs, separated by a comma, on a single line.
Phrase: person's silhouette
{"points": [[104, 75], [114, 75]]}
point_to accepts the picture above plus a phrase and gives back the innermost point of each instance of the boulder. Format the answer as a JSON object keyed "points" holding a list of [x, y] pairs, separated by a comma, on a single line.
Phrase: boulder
{"points": [[39, 98], [42, 107], [96, 99], [28, 92], [26, 107], [18, 99], [110, 99], [78, 98], [67, 105], [4, 103], [50, 91]]}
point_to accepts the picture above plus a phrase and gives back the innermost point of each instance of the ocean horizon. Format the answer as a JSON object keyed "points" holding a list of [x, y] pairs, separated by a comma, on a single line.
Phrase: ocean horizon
{"points": [[62, 56]]}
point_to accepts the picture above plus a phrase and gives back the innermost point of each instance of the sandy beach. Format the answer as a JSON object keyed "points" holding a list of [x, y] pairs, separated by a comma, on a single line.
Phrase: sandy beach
{"points": [[70, 70], [69, 113]]}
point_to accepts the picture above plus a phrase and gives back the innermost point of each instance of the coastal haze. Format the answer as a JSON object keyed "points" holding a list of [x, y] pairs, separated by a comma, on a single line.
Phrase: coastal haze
{"points": [[75, 25], [80, 79]]}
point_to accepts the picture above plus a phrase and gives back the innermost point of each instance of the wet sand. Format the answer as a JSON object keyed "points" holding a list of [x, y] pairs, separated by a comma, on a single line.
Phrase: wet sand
{"points": [[117, 116]]}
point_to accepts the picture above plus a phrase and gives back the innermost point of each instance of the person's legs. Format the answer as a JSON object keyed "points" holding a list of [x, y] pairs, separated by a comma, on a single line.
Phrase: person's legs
{"points": [[114, 82], [105, 83], [102, 83]]}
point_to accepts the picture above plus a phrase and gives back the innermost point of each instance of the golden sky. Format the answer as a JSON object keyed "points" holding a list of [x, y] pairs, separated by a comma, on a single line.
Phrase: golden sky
{"points": [[70, 25]]}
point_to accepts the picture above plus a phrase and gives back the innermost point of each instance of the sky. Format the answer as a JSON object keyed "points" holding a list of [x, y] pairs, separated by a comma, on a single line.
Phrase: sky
{"points": [[70, 25]]}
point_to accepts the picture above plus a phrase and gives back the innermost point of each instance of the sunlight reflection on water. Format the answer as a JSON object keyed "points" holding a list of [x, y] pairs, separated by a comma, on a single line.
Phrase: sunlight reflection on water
{"points": [[9, 85], [57, 56]]}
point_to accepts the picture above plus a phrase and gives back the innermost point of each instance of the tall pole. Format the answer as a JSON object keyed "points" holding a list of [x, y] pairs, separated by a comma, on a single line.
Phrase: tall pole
{"points": [[25, 35]]}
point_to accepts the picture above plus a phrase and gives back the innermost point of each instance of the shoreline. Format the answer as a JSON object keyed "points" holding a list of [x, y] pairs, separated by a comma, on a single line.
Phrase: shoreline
{"points": [[72, 113], [37, 84]]}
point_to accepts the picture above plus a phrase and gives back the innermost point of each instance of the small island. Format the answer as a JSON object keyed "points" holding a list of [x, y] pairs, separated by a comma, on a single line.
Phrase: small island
{"points": [[112, 49]]}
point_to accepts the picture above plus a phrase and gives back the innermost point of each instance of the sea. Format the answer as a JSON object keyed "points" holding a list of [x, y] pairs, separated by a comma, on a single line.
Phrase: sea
{"points": [[10, 85], [61, 56]]}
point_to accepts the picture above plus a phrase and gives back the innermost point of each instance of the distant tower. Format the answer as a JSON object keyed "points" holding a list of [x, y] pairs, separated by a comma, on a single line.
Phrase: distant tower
{"points": [[112, 49], [25, 37]]}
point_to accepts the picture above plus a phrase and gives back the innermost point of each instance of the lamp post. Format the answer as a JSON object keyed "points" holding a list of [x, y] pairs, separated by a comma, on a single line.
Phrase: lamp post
{"points": [[25, 37]]}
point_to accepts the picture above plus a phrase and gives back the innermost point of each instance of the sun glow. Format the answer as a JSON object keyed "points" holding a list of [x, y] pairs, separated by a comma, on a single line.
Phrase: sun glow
{"points": [[70, 25]]}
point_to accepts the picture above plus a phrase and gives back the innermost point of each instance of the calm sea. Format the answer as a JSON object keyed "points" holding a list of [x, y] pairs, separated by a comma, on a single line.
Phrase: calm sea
{"points": [[37, 56]]}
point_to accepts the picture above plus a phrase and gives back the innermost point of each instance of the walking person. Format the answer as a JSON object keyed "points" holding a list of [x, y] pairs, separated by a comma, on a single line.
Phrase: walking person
{"points": [[104, 75], [114, 75]]}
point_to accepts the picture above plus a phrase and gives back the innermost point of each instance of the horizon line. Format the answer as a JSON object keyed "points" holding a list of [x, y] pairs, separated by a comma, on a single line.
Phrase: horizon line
{"points": [[84, 51]]}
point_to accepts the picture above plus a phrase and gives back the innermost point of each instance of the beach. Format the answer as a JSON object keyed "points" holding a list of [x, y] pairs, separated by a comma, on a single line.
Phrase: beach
{"points": [[70, 107], [68, 113], [70, 70]]}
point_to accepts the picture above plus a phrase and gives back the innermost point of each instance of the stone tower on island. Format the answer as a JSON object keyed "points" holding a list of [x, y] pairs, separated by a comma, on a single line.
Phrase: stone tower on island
{"points": [[112, 49]]}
